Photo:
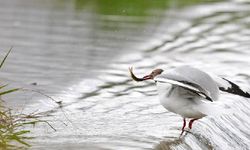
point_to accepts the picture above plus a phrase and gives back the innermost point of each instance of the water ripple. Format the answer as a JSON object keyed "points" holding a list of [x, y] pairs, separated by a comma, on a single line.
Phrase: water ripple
{"points": [[103, 108]]}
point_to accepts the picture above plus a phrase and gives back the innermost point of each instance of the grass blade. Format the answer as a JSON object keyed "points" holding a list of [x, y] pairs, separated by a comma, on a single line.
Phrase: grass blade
{"points": [[2, 86], [22, 132], [5, 58], [8, 91], [15, 137]]}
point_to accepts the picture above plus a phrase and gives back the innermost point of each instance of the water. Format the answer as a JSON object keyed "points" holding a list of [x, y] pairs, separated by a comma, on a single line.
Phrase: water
{"points": [[79, 52]]}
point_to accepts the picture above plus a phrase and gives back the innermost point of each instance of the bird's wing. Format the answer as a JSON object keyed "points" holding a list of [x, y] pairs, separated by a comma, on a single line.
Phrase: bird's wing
{"points": [[230, 87], [187, 85]]}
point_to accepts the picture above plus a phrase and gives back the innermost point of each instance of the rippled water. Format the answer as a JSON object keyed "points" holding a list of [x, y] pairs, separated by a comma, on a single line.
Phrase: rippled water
{"points": [[82, 58]]}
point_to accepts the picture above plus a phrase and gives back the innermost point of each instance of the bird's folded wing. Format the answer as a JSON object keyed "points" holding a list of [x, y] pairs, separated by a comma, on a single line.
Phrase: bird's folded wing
{"points": [[187, 85]]}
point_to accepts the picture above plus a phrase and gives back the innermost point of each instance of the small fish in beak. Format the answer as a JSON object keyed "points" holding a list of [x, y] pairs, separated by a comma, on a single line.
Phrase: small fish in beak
{"points": [[147, 77], [133, 75]]}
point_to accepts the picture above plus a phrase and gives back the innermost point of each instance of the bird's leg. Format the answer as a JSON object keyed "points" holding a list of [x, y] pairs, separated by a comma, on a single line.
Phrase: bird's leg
{"points": [[191, 123], [183, 127]]}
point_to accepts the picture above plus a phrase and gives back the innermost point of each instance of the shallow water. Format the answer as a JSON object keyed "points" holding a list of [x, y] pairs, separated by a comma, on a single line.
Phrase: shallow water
{"points": [[79, 53]]}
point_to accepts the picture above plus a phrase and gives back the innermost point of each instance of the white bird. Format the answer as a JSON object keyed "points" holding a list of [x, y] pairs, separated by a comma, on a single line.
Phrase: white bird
{"points": [[189, 92]]}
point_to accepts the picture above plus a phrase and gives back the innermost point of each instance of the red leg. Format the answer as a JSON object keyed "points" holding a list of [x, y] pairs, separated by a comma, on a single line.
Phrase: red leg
{"points": [[191, 123], [183, 127]]}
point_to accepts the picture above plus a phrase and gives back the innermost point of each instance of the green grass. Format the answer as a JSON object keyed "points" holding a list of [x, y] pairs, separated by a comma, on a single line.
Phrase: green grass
{"points": [[10, 132], [13, 134]]}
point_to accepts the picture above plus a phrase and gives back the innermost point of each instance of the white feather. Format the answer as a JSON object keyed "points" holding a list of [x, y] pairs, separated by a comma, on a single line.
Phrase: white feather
{"points": [[178, 97]]}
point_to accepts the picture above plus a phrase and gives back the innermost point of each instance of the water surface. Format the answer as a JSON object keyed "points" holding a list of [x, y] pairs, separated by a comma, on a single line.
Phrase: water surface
{"points": [[79, 52]]}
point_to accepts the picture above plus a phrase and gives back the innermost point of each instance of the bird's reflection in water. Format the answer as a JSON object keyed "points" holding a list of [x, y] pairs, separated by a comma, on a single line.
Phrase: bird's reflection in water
{"points": [[185, 142]]}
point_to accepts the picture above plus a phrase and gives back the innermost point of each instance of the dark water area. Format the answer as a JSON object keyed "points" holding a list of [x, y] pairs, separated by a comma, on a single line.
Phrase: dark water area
{"points": [[79, 52]]}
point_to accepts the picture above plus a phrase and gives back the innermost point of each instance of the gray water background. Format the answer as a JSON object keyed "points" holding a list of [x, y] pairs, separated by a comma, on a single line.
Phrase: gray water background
{"points": [[79, 52]]}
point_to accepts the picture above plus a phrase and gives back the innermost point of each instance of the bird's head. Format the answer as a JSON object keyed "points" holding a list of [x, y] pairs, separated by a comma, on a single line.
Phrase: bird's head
{"points": [[151, 76]]}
